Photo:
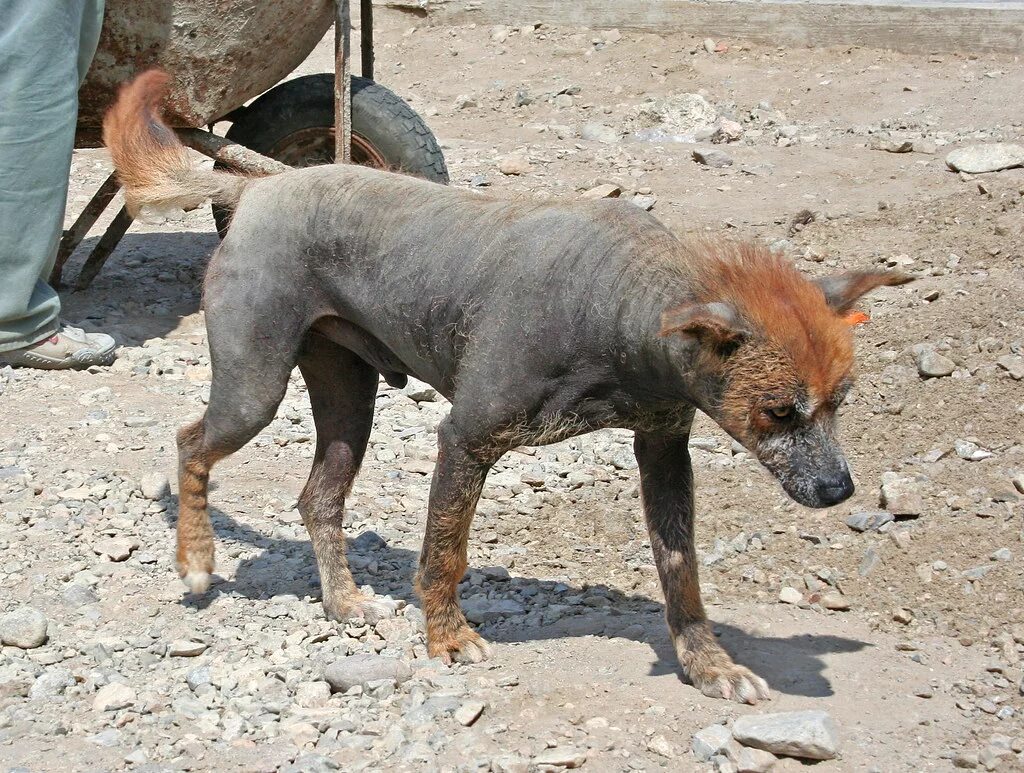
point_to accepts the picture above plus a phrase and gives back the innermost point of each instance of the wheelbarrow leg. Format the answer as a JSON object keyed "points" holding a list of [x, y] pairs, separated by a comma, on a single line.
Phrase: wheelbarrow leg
{"points": [[342, 84], [73, 236], [103, 248], [366, 37]]}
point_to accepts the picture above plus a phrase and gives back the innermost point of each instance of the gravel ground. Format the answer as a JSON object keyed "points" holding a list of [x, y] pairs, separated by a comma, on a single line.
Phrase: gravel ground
{"points": [[899, 612]]}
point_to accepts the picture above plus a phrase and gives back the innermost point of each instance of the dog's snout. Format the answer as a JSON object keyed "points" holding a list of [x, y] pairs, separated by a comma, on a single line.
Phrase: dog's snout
{"points": [[832, 491]]}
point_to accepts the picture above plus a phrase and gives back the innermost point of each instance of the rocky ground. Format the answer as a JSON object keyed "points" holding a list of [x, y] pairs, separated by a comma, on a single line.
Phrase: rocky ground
{"points": [[899, 613]]}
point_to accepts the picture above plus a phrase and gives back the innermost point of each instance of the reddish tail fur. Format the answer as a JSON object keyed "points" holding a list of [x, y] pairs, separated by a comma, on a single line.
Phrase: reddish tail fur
{"points": [[151, 162]]}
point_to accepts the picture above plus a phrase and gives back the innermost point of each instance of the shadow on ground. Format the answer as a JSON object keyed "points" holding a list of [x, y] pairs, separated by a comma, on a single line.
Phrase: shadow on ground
{"points": [[792, 664], [152, 279]]}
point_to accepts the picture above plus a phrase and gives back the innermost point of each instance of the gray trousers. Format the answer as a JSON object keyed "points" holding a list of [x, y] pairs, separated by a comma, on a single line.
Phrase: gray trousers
{"points": [[45, 49]]}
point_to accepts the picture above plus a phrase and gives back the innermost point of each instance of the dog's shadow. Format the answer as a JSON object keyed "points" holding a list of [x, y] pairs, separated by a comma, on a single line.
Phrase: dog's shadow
{"points": [[793, 665]]}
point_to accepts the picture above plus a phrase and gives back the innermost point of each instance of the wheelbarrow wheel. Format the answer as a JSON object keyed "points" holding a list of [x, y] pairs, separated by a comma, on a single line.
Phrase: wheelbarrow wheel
{"points": [[294, 123]]}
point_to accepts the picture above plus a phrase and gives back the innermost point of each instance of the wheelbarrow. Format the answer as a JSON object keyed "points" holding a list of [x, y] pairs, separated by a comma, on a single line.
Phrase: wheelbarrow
{"points": [[222, 53]]}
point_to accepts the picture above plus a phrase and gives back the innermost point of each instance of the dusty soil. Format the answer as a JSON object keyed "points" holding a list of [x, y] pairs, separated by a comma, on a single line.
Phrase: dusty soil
{"points": [[923, 668]]}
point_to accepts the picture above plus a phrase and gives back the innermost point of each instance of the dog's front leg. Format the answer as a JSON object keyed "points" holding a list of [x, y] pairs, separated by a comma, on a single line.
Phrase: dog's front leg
{"points": [[458, 479], [666, 485]]}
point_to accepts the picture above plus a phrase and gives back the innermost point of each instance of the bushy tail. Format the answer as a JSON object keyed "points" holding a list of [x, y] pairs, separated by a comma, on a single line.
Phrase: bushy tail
{"points": [[151, 162]]}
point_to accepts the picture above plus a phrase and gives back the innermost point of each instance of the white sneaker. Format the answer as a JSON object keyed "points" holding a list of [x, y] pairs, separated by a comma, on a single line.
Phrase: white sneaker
{"points": [[68, 348]]}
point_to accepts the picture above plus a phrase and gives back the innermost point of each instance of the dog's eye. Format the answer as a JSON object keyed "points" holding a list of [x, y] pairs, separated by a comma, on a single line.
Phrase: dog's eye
{"points": [[781, 411]]}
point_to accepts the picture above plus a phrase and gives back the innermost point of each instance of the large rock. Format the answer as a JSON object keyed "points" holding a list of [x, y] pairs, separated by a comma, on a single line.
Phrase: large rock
{"points": [[361, 669], [977, 159], [24, 627], [807, 734]]}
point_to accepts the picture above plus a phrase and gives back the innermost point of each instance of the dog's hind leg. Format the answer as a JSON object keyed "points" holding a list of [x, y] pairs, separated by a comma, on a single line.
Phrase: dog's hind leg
{"points": [[249, 381], [341, 389]]}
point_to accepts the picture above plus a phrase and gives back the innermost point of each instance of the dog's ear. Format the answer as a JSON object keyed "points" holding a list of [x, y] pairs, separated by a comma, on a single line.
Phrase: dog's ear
{"points": [[713, 324], [843, 290]]}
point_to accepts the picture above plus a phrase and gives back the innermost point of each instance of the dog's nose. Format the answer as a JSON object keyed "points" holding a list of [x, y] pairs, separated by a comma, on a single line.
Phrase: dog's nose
{"points": [[835, 490]]}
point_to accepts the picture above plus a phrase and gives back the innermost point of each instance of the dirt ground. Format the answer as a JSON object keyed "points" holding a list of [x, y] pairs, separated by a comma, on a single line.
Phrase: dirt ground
{"points": [[921, 672]]}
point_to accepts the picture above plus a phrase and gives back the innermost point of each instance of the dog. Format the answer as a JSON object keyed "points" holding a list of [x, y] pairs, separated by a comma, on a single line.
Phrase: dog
{"points": [[538, 321]]}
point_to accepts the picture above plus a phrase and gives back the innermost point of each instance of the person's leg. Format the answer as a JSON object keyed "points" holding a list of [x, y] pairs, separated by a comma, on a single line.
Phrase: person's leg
{"points": [[45, 50]]}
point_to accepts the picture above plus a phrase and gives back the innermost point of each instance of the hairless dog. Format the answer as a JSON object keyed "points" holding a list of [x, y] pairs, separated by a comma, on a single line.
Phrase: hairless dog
{"points": [[538, 321]]}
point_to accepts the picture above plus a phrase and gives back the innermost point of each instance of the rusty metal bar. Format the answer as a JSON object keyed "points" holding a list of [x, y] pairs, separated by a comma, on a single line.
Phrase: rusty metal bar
{"points": [[103, 248], [73, 236], [342, 84], [230, 153], [366, 37]]}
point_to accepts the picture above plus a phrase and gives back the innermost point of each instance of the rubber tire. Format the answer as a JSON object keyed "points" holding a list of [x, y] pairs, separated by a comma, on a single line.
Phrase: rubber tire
{"points": [[394, 130]]}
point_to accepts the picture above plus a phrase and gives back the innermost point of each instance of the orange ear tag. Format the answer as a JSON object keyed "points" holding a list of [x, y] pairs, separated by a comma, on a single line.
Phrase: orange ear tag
{"points": [[855, 318]]}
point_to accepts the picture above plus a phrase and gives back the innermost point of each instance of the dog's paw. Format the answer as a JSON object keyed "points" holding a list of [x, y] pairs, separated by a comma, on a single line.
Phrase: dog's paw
{"points": [[731, 682], [369, 610], [196, 581], [464, 645], [196, 571]]}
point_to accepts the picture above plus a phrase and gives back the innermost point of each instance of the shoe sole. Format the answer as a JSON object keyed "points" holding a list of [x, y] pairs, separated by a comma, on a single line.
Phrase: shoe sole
{"points": [[80, 360]]}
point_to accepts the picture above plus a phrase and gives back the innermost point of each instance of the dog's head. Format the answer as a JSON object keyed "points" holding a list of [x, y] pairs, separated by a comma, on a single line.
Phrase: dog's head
{"points": [[775, 363]]}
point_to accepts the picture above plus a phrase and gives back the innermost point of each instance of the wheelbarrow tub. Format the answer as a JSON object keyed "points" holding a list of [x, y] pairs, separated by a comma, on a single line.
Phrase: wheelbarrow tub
{"points": [[219, 53]]}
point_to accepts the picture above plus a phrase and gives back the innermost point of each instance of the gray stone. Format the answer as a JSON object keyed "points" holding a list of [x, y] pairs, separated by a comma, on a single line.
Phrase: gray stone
{"points": [[106, 738], [514, 165], [51, 683], [603, 191], [114, 549], [869, 562], [717, 159], [869, 520], [976, 573], [680, 114], [24, 627], [198, 677], [354, 670], [78, 594], [835, 601], [113, 697], [138, 422], [183, 648], [901, 496], [561, 757], [970, 451], [155, 486], [469, 712], [1012, 364], [978, 159], [890, 144], [931, 364], [749, 760], [790, 596], [310, 763], [805, 734], [709, 741], [599, 132], [661, 746], [483, 610], [966, 760]]}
